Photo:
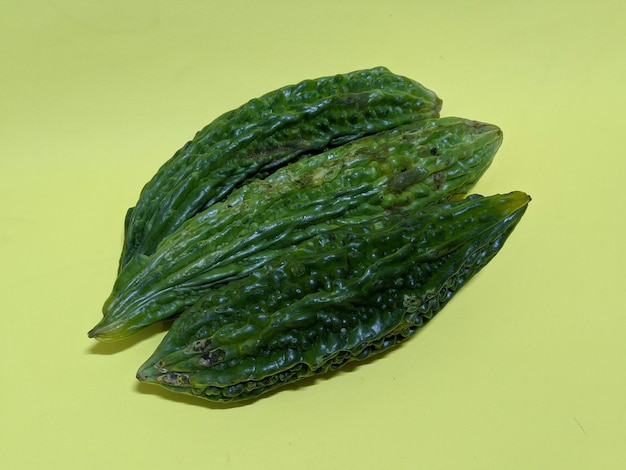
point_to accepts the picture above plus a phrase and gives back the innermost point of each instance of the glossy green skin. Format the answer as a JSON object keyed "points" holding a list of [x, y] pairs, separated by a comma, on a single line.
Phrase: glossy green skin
{"points": [[265, 133], [339, 297], [402, 169]]}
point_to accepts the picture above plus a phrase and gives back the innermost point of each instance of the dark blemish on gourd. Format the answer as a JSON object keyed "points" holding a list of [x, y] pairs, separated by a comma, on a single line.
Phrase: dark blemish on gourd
{"points": [[407, 178], [198, 346], [212, 357], [174, 379], [439, 178]]}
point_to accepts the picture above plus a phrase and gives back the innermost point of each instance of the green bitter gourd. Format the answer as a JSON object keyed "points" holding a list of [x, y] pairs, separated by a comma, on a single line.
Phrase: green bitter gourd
{"points": [[338, 297], [402, 169], [265, 133]]}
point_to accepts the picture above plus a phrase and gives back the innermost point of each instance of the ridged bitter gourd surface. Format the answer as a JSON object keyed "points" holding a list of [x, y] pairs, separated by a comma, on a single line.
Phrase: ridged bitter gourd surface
{"points": [[338, 297]]}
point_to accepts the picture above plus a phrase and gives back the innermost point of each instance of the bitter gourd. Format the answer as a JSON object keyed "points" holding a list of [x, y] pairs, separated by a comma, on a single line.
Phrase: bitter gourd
{"points": [[265, 133], [338, 297], [405, 169]]}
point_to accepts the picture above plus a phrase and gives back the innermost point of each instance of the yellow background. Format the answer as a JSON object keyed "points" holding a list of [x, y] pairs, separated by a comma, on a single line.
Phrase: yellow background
{"points": [[524, 369]]}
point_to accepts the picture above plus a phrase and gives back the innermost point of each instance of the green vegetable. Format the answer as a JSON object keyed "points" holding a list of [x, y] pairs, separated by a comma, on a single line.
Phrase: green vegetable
{"points": [[337, 297], [403, 169], [265, 133]]}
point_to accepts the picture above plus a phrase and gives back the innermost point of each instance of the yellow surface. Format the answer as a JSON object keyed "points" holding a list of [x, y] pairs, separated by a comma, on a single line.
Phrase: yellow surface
{"points": [[524, 369]]}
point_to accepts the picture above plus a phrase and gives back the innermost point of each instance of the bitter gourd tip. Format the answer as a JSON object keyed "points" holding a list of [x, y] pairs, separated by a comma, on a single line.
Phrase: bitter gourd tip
{"points": [[514, 201], [108, 330], [111, 330], [104, 331]]}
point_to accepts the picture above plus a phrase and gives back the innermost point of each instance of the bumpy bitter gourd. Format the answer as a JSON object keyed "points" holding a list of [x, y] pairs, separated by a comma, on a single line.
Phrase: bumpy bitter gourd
{"points": [[265, 133], [338, 297], [402, 169]]}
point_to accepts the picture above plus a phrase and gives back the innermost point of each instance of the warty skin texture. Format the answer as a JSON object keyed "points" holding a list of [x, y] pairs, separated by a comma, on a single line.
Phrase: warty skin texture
{"points": [[338, 297], [402, 169], [265, 133]]}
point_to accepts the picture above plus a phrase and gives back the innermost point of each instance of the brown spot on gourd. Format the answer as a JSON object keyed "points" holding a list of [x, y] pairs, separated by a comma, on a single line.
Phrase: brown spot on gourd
{"points": [[439, 178], [406, 178], [174, 379], [198, 346], [212, 357]]}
